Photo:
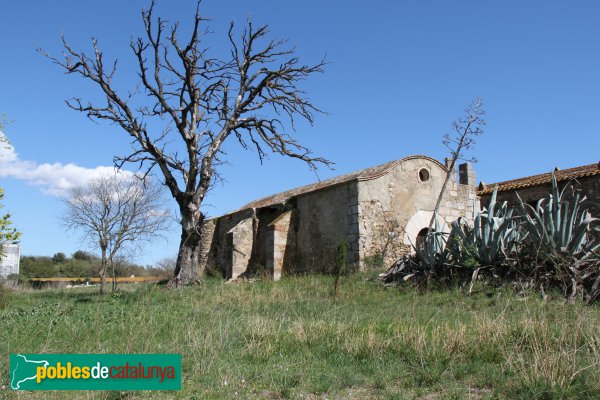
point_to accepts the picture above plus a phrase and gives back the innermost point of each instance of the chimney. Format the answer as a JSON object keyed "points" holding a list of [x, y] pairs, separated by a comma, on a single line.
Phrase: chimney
{"points": [[466, 175], [448, 163]]}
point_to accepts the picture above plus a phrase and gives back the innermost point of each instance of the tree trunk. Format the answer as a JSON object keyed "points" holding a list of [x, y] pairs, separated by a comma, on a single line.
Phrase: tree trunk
{"points": [[103, 271], [188, 259], [114, 275], [438, 203]]}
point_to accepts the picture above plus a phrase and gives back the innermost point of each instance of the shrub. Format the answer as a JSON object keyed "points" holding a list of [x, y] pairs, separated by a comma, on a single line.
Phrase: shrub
{"points": [[433, 255], [374, 261], [339, 266], [495, 235], [560, 224], [501, 242]]}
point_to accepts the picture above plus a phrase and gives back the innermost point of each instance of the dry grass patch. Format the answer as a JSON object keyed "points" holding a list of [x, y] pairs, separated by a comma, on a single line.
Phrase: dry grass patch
{"points": [[291, 340]]}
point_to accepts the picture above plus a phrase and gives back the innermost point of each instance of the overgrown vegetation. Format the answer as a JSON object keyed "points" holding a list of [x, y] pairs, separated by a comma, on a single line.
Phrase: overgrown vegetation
{"points": [[550, 246], [82, 265], [339, 266], [289, 339], [5, 296], [494, 236], [375, 261]]}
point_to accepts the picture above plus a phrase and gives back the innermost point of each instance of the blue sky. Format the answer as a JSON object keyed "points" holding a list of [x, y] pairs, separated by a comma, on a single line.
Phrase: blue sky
{"points": [[400, 72]]}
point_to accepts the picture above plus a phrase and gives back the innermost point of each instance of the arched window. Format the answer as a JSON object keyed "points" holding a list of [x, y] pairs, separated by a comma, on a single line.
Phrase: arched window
{"points": [[420, 245]]}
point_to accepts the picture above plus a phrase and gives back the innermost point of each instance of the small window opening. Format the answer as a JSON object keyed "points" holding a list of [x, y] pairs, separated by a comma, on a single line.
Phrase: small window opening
{"points": [[423, 175]]}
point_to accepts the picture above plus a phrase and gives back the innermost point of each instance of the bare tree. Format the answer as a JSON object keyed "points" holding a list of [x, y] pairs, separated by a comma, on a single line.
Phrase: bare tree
{"points": [[166, 265], [466, 128], [117, 213], [199, 102]]}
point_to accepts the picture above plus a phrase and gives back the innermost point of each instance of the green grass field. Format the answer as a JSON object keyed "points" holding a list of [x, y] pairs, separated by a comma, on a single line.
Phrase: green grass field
{"points": [[289, 339]]}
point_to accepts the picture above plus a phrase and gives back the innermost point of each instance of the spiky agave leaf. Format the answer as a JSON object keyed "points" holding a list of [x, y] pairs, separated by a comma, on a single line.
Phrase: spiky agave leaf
{"points": [[493, 237], [559, 225], [434, 254]]}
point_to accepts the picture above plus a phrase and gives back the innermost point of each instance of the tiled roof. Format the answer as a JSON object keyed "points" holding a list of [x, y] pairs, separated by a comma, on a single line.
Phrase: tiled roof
{"points": [[362, 175], [534, 180]]}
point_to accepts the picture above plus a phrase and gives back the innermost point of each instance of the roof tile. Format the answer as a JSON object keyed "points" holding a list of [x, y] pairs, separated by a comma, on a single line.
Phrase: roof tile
{"points": [[540, 179], [364, 174]]}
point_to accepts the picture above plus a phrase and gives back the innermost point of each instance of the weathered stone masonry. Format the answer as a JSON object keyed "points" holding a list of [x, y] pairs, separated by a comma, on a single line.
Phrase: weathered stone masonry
{"points": [[378, 211]]}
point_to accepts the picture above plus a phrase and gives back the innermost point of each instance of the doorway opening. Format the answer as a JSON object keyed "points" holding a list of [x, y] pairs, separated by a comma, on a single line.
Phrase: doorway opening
{"points": [[421, 236]]}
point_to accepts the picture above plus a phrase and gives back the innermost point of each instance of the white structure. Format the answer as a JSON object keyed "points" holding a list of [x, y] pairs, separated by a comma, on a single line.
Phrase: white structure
{"points": [[9, 263]]}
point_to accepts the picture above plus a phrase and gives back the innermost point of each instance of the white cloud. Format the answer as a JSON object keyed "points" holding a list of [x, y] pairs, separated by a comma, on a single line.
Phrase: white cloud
{"points": [[55, 179]]}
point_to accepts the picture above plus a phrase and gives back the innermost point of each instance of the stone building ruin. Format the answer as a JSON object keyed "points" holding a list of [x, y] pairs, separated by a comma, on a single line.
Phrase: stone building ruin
{"points": [[532, 188], [379, 212]]}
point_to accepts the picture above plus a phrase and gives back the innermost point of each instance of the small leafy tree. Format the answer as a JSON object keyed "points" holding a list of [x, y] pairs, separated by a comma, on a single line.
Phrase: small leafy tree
{"points": [[8, 233], [59, 258], [82, 255], [339, 266]]}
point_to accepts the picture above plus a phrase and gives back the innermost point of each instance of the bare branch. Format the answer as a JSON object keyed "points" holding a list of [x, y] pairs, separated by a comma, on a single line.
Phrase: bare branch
{"points": [[466, 128], [201, 101]]}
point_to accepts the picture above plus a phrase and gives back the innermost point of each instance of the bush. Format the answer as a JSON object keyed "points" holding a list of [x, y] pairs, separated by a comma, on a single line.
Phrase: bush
{"points": [[505, 245], [339, 266], [434, 254], [559, 224], [375, 261], [82, 255], [493, 237]]}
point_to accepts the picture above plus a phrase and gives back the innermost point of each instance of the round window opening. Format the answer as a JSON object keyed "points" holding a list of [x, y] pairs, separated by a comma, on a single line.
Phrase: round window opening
{"points": [[423, 175]]}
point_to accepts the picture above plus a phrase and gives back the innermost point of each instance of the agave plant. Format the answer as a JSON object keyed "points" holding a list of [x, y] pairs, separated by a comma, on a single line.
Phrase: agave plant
{"points": [[559, 223], [433, 254], [494, 236]]}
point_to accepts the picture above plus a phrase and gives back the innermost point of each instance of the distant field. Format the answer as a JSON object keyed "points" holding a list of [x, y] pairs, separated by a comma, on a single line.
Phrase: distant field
{"points": [[291, 340], [119, 279]]}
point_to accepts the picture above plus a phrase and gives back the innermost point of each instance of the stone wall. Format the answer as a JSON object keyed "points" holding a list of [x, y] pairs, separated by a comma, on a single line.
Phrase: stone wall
{"points": [[241, 240], [207, 258], [260, 252], [352, 217], [377, 216], [406, 194], [322, 224], [280, 244], [231, 243]]}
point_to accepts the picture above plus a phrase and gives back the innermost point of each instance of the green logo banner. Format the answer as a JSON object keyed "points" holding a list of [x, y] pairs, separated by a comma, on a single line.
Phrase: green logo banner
{"points": [[95, 371]]}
